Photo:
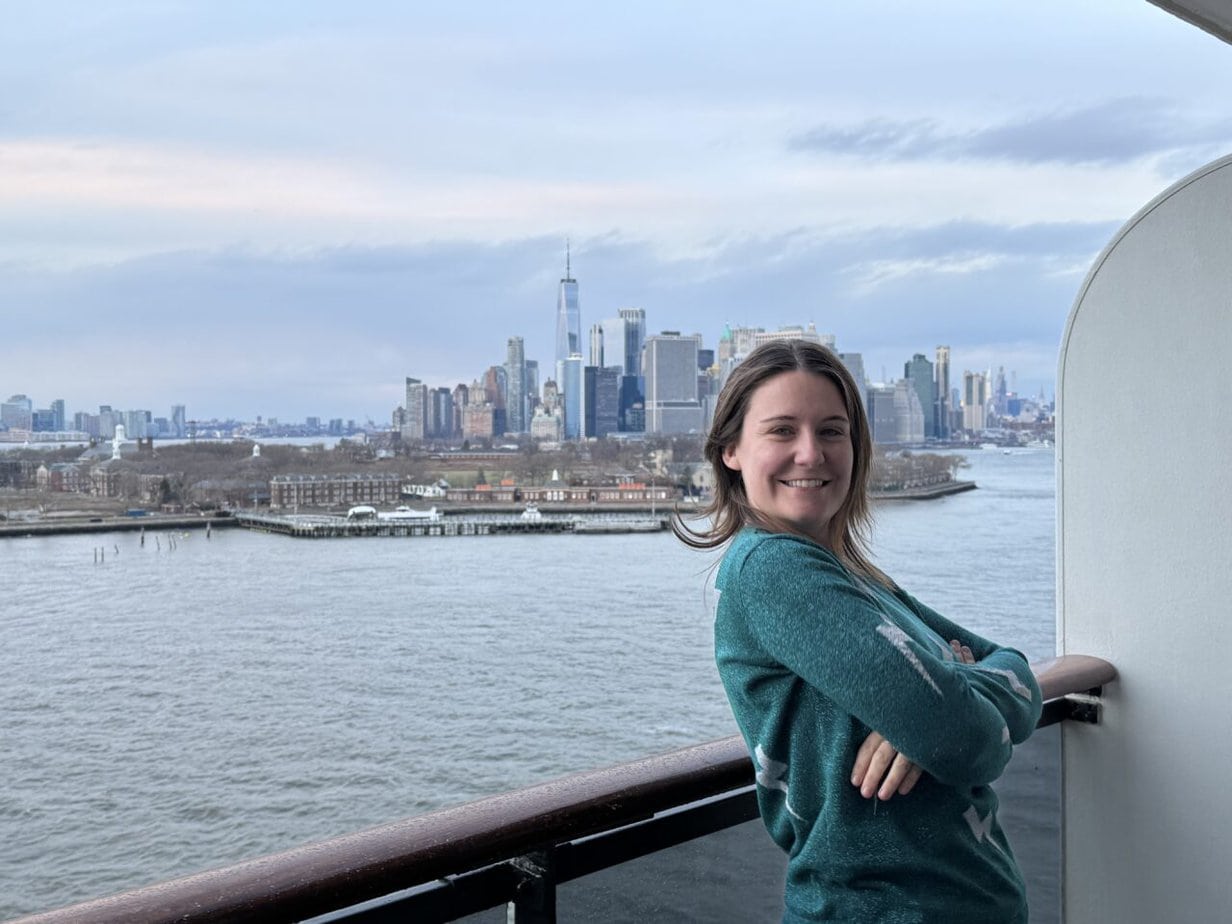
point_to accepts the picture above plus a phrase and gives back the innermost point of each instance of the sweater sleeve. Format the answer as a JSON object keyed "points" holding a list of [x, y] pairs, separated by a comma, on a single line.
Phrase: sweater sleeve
{"points": [[810, 616], [1003, 674]]}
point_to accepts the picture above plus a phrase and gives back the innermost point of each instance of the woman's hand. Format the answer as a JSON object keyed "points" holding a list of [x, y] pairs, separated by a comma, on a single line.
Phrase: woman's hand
{"points": [[882, 771]]}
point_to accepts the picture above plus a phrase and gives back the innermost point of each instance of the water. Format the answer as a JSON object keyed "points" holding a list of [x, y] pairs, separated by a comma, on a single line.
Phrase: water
{"points": [[177, 708]]}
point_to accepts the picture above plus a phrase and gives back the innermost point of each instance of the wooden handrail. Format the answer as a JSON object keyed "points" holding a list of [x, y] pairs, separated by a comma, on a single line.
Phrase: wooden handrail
{"points": [[1068, 674], [354, 868]]}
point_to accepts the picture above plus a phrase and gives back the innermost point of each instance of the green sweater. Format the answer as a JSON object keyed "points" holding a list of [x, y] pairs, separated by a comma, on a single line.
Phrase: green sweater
{"points": [[813, 659]]}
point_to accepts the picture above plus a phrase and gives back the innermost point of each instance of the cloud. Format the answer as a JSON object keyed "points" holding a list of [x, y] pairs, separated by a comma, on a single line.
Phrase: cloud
{"points": [[1116, 131], [333, 331]]}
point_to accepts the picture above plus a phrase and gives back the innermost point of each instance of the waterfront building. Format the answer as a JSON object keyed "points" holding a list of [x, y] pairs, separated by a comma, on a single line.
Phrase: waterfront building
{"points": [[323, 491], [974, 401], [601, 399], [414, 421], [179, 421], [918, 371], [515, 386], [669, 367], [568, 316]]}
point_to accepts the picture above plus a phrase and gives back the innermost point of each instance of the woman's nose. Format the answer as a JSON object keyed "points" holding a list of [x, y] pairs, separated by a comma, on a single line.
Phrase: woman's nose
{"points": [[808, 449]]}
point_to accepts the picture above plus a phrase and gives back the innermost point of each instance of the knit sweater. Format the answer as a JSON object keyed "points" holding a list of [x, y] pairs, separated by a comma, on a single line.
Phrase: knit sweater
{"points": [[813, 659]]}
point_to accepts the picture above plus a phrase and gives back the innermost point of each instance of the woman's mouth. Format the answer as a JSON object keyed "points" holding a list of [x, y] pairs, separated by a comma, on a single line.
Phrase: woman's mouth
{"points": [[807, 482]]}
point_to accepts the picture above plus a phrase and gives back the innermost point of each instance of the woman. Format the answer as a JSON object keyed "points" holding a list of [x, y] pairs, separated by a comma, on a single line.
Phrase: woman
{"points": [[875, 724]]}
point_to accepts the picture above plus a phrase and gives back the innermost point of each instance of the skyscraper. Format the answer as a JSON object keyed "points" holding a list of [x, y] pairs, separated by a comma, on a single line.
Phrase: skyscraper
{"points": [[919, 373], [569, 375], [635, 337], [974, 401], [669, 364], [943, 417], [601, 397], [568, 316], [515, 376], [414, 425]]}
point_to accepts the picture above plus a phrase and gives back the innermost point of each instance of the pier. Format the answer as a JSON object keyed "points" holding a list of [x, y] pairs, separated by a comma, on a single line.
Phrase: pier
{"points": [[316, 526]]}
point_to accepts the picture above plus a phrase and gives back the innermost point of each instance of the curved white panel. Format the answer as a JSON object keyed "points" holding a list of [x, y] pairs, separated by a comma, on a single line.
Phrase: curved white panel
{"points": [[1144, 572]]}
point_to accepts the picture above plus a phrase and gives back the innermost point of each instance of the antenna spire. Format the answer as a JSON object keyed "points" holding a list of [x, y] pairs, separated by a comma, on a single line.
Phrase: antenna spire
{"points": [[567, 274]]}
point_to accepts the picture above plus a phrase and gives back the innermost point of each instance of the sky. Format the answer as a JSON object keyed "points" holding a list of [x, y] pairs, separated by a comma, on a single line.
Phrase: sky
{"points": [[285, 208]]}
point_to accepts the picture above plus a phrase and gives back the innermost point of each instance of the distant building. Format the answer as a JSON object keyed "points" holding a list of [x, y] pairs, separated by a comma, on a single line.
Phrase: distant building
{"points": [[601, 400], [547, 425], [919, 373], [569, 379], [908, 413], [515, 384], [414, 421], [442, 416], [291, 491], [568, 316], [882, 418], [179, 421], [478, 421], [943, 414], [855, 365], [17, 413], [669, 367], [974, 401]]}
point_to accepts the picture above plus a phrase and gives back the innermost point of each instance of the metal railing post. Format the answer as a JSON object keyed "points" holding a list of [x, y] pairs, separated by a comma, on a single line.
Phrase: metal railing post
{"points": [[535, 902]]}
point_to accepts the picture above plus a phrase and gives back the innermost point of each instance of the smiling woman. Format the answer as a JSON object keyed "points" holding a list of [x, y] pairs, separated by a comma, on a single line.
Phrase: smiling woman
{"points": [[848, 691]]}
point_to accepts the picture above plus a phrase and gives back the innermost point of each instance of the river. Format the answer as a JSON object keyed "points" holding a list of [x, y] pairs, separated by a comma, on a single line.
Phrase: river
{"points": [[190, 702]]}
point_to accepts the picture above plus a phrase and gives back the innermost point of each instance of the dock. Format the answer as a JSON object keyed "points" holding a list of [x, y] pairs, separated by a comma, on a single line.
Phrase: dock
{"points": [[317, 526]]}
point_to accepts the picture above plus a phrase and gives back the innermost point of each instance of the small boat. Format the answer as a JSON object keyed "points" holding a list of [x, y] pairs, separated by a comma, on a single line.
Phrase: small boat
{"points": [[531, 514], [407, 515]]}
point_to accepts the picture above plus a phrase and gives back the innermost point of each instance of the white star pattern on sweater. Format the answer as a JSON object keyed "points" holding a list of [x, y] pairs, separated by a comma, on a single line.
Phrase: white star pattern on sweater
{"points": [[1015, 684], [981, 827], [769, 775], [899, 639]]}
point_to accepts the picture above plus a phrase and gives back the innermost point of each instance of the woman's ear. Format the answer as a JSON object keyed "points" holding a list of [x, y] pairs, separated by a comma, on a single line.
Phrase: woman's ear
{"points": [[730, 459]]}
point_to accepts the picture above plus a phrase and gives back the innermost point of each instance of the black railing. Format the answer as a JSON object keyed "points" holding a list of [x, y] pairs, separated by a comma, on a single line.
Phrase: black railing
{"points": [[512, 848]]}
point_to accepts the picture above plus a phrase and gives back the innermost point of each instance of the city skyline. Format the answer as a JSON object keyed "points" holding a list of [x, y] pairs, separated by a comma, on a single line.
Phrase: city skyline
{"points": [[287, 212]]}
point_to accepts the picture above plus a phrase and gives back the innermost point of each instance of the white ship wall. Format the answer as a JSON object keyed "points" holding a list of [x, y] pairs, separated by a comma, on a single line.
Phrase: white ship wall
{"points": [[1144, 462]]}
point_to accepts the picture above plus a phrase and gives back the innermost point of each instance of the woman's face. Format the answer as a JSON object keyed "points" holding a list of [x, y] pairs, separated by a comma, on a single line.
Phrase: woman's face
{"points": [[794, 452]]}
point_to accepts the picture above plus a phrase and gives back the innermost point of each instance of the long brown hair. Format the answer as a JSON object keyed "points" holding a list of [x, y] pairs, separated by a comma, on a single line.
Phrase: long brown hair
{"points": [[729, 510]]}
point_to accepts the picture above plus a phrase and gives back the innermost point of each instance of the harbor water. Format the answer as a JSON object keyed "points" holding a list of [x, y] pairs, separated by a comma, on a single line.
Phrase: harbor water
{"points": [[189, 702]]}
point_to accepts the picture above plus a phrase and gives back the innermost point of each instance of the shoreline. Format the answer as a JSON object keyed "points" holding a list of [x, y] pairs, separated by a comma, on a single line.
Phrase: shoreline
{"points": [[95, 523]]}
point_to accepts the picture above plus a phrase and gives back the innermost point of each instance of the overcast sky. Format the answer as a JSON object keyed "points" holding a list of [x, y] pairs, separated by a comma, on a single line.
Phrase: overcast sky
{"points": [[284, 208]]}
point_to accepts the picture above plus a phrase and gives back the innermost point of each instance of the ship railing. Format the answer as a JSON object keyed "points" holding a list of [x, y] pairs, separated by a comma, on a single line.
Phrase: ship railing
{"points": [[512, 849]]}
